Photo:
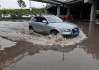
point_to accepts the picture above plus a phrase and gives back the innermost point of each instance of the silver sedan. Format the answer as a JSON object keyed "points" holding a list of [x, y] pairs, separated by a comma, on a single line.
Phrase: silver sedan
{"points": [[51, 24]]}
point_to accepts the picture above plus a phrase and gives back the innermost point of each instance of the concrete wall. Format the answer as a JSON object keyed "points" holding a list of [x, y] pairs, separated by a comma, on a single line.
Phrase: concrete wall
{"points": [[86, 1], [91, 1], [72, 0], [69, 0]]}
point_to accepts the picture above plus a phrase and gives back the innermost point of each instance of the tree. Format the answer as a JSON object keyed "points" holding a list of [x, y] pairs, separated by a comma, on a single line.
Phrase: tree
{"points": [[4, 12], [21, 4]]}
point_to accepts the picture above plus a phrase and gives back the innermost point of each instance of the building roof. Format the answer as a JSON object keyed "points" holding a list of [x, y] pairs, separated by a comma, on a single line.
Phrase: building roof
{"points": [[56, 2]]}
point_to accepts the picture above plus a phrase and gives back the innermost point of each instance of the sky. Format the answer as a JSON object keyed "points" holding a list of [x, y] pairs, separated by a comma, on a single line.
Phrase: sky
{"points": [[12, 4]]}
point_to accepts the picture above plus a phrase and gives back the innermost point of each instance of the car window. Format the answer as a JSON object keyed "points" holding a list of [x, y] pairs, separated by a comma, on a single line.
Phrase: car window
{"points": [[40, 19], [53, 19]]}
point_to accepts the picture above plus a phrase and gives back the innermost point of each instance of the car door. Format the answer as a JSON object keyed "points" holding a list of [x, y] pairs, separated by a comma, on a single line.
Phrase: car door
{"points": [[36, 24], [43, 26]]}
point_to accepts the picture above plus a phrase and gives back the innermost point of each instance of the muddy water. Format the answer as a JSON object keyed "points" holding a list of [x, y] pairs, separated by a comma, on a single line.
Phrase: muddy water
{"points": [[19, 31], [81, 56]]}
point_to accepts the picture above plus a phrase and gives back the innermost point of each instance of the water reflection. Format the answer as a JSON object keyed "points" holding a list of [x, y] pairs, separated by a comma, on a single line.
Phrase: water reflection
{"points": [[63, 50], [91, 45], [91, 28], [16, 53]]}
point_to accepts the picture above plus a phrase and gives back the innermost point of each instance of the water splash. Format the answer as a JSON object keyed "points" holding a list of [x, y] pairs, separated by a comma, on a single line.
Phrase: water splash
{"points": [[19, 31]]}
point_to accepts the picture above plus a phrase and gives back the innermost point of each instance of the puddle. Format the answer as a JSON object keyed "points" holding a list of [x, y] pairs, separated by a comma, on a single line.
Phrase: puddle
{"points": [[19, 31], [25, 56], [6, 43]]}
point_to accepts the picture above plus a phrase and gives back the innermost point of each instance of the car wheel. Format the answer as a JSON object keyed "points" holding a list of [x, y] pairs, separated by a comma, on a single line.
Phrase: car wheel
{"points": [[54, 32], [31, 28]]}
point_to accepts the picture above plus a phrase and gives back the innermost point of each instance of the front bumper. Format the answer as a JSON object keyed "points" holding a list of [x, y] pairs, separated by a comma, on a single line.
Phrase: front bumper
{"points": [[73, 33]]}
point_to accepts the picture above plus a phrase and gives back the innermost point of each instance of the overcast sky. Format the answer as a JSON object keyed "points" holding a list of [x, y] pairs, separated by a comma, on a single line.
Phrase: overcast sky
{"points": [[5, 4]]}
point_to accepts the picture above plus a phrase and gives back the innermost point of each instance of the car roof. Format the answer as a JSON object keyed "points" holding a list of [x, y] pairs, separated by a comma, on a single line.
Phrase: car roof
{"points": [[48, 15]]}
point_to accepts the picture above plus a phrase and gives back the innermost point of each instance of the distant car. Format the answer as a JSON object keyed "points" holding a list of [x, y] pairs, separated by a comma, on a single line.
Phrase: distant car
{"points": [[26, 16], [51, 24], [63, 17], [5, 16]]}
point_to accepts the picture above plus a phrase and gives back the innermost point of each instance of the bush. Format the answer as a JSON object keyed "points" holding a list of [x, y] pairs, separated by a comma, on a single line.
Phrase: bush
{"points": [[23, 11], [17, 13], [15, 16]]}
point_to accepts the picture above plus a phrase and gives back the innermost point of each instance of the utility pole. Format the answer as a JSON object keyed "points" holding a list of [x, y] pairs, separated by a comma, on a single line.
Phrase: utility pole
{"points": [[30, 5], [58, 11]]}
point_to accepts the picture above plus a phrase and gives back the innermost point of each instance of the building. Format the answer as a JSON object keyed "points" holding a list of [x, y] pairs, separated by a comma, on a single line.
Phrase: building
{"points": [[78, 8]]}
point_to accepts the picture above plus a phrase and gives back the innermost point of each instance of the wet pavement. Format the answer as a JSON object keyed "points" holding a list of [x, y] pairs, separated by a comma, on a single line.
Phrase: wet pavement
{"points": [[6, 43], [81, 56]]}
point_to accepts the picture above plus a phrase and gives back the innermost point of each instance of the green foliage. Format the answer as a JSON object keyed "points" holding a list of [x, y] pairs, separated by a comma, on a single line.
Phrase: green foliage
{"points": [[4, 12], [15, 16], [24, 11], [36, 11], [97, 11]]}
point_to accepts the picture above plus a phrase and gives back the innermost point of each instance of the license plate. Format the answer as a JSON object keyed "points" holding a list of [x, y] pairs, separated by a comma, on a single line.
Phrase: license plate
{"points": [[75, 33]]}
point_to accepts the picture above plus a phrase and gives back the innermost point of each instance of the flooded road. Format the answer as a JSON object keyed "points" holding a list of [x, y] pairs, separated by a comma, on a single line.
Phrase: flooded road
{"points": [[27, 56]]}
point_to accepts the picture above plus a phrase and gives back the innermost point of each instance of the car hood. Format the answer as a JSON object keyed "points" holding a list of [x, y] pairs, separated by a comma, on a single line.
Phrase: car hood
{"points": [[66, 25]]}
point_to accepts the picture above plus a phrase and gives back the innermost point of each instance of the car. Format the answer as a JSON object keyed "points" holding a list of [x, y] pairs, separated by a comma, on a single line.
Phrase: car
{"points": [[51, 24], [26, 16], [63, 17], [6, 16]]}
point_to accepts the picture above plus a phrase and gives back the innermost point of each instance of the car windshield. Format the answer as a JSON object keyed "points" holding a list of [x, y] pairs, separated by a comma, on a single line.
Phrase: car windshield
{"points": [[53, 19]]}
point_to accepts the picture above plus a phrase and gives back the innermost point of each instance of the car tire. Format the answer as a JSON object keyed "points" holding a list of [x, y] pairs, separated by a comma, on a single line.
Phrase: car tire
{"points": [[31, 28], [54, 32]]}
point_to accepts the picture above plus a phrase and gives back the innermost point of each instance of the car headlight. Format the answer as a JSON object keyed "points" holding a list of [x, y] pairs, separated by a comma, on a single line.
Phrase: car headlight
{"points": [[65, 30]]}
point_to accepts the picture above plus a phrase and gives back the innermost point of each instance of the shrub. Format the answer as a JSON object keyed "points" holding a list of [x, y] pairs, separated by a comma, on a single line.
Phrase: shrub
{"points": [[15, 16]]}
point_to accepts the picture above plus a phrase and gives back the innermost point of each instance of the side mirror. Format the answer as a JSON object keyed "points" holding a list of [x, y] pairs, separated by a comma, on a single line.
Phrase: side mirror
{"points": [[44, 21]]}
